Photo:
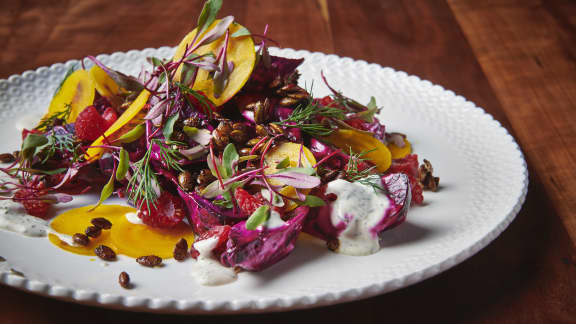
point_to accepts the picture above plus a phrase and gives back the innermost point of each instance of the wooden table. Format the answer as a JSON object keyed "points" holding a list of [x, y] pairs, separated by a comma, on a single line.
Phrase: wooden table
{"points": [[514, 58]]}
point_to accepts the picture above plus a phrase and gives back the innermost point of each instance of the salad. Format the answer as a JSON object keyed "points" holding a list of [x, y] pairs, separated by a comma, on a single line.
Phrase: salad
{"points": [[221, 156]]}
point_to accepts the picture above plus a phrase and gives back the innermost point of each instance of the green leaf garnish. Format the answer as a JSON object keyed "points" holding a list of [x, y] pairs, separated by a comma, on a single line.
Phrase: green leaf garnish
{"points": [[68, 73], [208, 15], [242, 31], [305, 115], [368, 114], [229, 158], [106, 192], [283, 164], [189, 72], [306, 171], [313, 201], [258, 217], [123, 165], [169, 126], [31, 143], [132, 135]]}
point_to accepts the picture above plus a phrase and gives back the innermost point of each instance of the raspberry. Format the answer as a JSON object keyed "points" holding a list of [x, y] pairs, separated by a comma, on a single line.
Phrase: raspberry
{"points": [[247, 202], [89, 124], [167, 212], [409, 166], [217, 231], [29, 198], [110, 116]]}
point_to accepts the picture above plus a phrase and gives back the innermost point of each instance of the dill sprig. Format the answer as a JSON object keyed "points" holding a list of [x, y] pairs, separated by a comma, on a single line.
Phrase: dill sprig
{"points": [[366, 176], [305, 117], [63, 143], [144, 182], [59, 115]]}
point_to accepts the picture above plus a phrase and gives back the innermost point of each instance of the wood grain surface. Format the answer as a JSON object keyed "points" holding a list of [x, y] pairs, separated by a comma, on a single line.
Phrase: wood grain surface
{"points": [[515, 58]]}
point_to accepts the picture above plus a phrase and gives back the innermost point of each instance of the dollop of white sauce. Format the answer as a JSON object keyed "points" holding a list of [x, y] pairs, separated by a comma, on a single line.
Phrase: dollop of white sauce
{"points": [[14, 218], [28, 121], [360, 208], [207, 270], [133, 218]]}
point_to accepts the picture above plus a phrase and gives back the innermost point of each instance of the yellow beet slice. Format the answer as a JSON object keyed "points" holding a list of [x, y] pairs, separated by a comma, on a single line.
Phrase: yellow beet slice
{"points": [[104, 83], [400, 152], [240, 51], [346, 139], [292, 151], [76, 91], [123, 124]]}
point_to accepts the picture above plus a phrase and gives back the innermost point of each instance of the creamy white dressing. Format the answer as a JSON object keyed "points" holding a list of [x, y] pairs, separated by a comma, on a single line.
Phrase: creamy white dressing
{"points": [[133, 218], [28, 121], [14, 218], [207, 270], [360, 208]]}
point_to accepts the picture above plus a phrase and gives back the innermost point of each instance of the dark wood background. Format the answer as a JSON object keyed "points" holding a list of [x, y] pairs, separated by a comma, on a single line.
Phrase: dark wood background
{"points": [[515, 58]]}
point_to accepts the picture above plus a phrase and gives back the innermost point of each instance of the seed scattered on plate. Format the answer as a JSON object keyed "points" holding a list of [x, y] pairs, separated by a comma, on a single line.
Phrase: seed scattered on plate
{"points": [[101, 223], [149, 260], [93, 231], [80, 239], [124, 280], [105, 253], [181, 250]]}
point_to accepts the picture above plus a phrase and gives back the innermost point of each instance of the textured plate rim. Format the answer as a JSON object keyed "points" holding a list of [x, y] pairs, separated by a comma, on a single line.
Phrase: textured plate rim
{"points": [[277, 304]]}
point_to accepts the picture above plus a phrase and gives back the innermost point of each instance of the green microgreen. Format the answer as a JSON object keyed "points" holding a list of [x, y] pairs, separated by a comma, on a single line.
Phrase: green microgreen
{"points": [[168, 129], [305, 117], [59, 115], [258, 217], [106, 192], [366, 176], [123, 165]]}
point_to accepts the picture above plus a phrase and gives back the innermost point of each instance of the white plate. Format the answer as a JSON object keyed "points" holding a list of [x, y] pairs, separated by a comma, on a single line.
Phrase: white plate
{"points": [[483, 177]]}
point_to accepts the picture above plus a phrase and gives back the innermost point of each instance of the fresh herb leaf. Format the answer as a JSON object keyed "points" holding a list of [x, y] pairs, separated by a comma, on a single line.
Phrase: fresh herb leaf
{"points": [[68, 73], [106, 192], [242, 31], [313, 201], [258, 217], [283, 164], [368, 114], [123, 165], [31, 144], [59, 115], [366, 176], [307, 171], [208, 15], [229, 159], [169, 126], [188, 74], [132, 135], [305, 116]]}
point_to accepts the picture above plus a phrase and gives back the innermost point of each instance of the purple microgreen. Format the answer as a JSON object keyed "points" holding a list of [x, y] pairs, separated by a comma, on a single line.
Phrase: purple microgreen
{"points": [[246, 174], [276, 200], [296, 179], [188, 74], [169, 126], [158, 109], [212, 160], [258, 217], [301, 196], [70, 173], [262, 55], [37, 171], [123, 165], [132, 135], [324, 159], [194, 152], [199, 135], [300, 152], [214, 33], [221, 77], [124, 81]]}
